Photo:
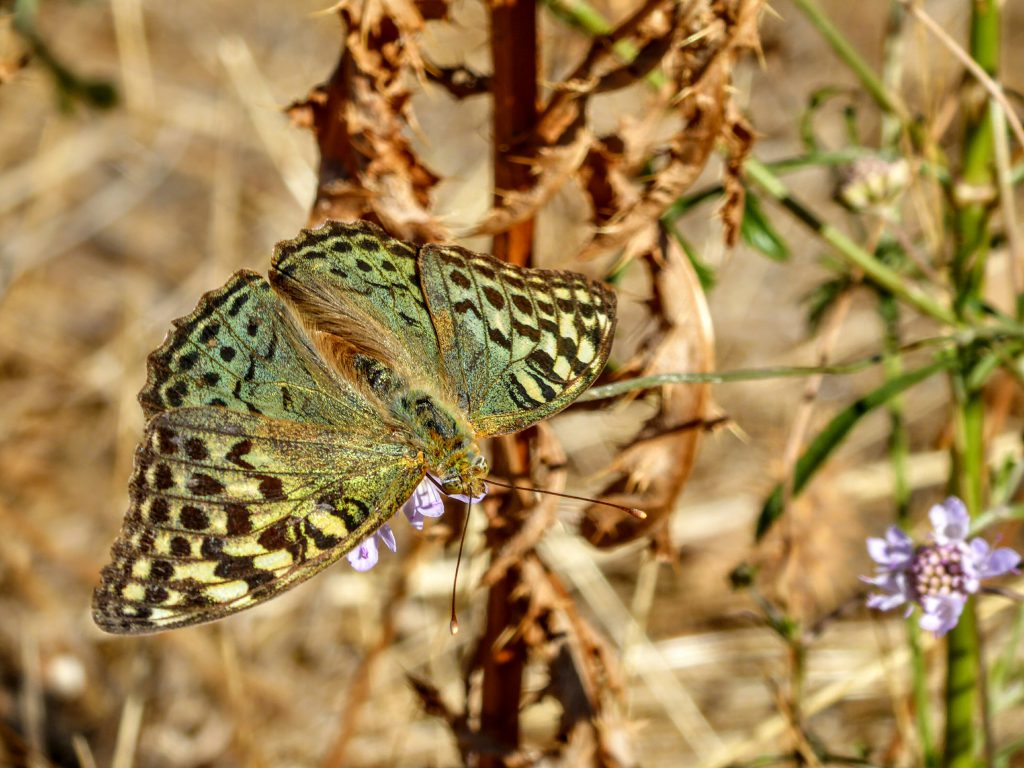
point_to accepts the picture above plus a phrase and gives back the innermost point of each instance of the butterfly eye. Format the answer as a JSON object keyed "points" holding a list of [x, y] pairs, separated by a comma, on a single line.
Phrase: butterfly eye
{"points": [[450, 484], [480, 464]]}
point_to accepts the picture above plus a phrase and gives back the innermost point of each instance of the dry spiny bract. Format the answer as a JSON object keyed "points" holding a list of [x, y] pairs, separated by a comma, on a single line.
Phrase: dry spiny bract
{"points": [[290, 420]]}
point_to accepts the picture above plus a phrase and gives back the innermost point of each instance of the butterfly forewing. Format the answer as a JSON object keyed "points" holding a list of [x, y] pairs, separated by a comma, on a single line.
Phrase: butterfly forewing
{"points": [[229, 509], [517, 344], [239, 349]]}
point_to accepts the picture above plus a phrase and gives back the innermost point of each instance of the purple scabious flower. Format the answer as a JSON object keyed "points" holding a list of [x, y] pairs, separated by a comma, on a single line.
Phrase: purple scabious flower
{"points": [[939, 575], [425, 502]]}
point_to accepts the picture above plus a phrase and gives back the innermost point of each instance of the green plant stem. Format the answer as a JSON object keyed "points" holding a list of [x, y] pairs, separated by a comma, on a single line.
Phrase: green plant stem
{"points": [[922, 696], [975, 188], [791, 371], [962, 651], [971, 237], [961, 691], [885, 98], [724, 377], [852, 253], [892, 70], [899, 443], [589, 19], [899, 448]]}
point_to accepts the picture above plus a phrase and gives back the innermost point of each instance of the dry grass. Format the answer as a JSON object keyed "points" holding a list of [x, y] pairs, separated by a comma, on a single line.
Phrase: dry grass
{"points": [[114, 223]]}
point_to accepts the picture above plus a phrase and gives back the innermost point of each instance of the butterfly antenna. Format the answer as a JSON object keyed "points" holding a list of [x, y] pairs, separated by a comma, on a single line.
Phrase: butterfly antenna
{"points": [[454, 624], [639, 514]]}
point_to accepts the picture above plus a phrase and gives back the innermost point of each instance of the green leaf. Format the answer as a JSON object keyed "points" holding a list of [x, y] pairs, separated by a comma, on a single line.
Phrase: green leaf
{"points": [[757, 231], [705, 273], [817, 100], [834, 433]]}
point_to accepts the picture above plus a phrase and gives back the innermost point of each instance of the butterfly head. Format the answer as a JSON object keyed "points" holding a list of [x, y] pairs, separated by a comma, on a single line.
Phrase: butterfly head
{"points": [[464, 473]]}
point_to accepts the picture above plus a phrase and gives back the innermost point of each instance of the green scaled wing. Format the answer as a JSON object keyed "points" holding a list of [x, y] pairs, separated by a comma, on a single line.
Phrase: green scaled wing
{"points": [[517, 345], [509, 346], [240, 349], [259, 467], [360, 286], [230, 509]]}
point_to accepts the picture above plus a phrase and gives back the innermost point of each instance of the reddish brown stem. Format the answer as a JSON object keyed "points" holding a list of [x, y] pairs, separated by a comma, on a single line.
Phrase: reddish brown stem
{"points": [[514, 85]]}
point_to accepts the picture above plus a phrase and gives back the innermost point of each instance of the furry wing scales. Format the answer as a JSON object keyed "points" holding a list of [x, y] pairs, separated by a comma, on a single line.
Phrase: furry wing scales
{"points": [[228, 510], [360, 286], [517, 345]]}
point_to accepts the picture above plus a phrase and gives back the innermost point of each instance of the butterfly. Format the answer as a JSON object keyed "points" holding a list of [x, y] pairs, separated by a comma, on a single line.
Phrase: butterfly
{"points": [[288, 420]]}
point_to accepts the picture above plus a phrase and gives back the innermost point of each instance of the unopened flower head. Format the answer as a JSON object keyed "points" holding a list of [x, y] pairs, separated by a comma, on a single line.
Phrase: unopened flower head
{"points": [[873, 183], [425, 502], [938, 575]]}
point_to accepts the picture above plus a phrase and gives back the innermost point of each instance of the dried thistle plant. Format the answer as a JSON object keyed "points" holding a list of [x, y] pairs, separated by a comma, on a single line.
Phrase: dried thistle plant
{"points": [[679, 56]]}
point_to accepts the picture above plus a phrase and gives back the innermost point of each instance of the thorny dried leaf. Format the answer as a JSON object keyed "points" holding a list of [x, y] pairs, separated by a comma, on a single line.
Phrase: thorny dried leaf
{"points": [[546, 454], [739, 141], [561, 140], [582, 672], [368, 169], [653, 470], [701, 76], [605, 178]]}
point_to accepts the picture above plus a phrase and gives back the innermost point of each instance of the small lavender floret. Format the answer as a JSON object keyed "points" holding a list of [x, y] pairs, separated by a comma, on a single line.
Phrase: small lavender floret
{"points": [[938, 575], [364, 556], [425, 502]]}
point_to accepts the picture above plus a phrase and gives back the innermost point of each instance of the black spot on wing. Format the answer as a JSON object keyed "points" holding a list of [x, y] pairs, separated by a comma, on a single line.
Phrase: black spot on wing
{"points": [[159, 511], [519, 394], [528, 331], [180, 547], [271, 488], [467, 307], [238, 450], [194, 518], [275, 536], [239, 519], [196, 449], [205, 485], [322, 540]]}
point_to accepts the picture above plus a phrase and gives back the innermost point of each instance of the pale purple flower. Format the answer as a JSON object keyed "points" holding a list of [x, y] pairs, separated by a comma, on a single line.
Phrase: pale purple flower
{"points": [[425, 502], [938, 575], [364, 556]]}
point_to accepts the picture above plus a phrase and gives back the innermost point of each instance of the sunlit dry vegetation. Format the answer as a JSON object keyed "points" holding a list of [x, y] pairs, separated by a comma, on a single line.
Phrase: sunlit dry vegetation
{"points": [[808, 211]]}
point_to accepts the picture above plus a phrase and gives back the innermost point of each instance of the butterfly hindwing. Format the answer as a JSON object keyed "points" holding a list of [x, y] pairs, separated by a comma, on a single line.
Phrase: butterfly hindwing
{"points": [[229, 509], [517, 345], [239, 349], [361, 285]]}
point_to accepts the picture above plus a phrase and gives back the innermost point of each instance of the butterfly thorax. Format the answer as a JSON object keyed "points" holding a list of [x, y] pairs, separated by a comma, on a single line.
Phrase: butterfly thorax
{"points": [[434, 429]]}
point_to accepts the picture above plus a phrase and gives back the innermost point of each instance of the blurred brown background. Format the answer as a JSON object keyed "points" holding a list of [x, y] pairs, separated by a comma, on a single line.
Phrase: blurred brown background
{"points": [[112, 223]]}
